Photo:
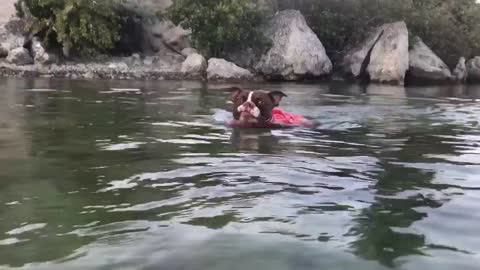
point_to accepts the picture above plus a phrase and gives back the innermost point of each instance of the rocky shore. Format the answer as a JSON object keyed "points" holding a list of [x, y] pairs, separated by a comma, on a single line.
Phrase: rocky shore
{"points": [[296, 53]]}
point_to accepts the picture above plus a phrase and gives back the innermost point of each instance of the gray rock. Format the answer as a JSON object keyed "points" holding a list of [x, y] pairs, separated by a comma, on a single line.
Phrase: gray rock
{"points": [[149, 60], [296, 52], [19, 56], [460, 71], [40, 54], [12, 35], [194, 64], [118, 66], [10, 42], [188, 51], [166, 33], [246, 58], [357, 59], [168, 60], [135, 60], [89, 75], [389, 58], [473, 69], [148, 32], [220, 69], [17, 26], [425, 65]]}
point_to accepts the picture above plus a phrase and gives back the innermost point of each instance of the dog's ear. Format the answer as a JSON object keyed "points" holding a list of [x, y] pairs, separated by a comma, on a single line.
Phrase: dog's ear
{"points": [[234, 92], [276, 97]]}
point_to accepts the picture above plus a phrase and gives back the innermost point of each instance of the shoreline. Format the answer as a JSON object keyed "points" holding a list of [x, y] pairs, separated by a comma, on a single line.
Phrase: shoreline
{"points": [[93, 71], [109, 71]]}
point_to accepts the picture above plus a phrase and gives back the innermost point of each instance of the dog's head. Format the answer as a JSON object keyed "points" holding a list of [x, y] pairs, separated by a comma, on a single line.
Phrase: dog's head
{"points": [[254, 106]]}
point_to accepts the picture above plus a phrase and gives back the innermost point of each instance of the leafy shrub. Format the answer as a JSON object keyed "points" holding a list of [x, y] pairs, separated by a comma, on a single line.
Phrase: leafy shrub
{"points": [[219, 26], [85, 26]]}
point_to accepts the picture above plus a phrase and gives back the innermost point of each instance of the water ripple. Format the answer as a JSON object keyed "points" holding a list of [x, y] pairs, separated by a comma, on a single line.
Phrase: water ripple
{"points": [[94, 178]]}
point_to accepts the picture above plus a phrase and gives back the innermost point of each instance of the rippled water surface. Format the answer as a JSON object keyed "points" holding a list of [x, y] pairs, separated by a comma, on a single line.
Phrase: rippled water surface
{"points": [[98, 175]]}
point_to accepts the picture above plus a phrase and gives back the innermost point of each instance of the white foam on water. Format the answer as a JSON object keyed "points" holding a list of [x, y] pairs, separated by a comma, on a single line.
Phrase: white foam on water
{"points": [[26, 228]]}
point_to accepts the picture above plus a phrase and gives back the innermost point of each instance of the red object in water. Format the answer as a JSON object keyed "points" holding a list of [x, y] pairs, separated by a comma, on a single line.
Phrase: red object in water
{"points": [[280, 119], [283, 118]]}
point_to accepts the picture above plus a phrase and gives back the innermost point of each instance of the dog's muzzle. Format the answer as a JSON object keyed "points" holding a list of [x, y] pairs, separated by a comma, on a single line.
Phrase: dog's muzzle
{"points": [[249, 111]]}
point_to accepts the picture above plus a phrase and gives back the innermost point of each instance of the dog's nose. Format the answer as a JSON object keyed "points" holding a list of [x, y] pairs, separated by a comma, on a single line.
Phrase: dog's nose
{"points": [[247, 107], [249, 104]]}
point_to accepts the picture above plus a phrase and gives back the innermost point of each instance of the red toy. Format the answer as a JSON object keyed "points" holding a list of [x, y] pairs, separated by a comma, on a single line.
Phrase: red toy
{"points": [[280, 119]]}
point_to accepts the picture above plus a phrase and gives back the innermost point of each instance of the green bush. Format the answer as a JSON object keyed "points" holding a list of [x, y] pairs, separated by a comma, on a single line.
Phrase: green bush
{"points": [[84, 26], [219, 26]]}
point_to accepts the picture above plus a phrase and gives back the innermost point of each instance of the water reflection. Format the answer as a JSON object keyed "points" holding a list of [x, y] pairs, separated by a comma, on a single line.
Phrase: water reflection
{"points": [[257, 141], [94, 177]]}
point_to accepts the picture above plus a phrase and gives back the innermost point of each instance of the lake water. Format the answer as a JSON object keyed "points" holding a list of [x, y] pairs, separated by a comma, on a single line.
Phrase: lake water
{"points": [[95, 178]]}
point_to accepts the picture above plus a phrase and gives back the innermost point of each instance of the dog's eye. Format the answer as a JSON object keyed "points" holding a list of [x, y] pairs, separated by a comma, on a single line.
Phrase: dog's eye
{"points": [[260, 102]]}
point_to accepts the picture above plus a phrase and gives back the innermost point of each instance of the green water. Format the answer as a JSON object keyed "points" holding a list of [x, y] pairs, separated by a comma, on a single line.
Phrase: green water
{"points": [[95, 179]]}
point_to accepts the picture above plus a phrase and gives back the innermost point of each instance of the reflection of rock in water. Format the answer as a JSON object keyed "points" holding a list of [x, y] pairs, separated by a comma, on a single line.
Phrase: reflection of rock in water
{"points": [[13, 144], [457, 91], [350, 89], [300, 88], [385, 230], [389, 99], [473, 91], [428, 91], [390, 94], [262, 141]]}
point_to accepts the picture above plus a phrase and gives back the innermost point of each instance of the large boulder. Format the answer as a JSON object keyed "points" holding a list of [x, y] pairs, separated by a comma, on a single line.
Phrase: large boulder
{"points": [[195, 64], [150, 34], [188, 51], [17, 26], [425, 65], [8, 10], [220, 69], [164, 33], [473, 69], [460, 71], [19, 56], [356, 60], [40, 54], [247, 58], [382, 57], [296, 52], [12, 35], [166, 59], [11, 42], [389, 58]]}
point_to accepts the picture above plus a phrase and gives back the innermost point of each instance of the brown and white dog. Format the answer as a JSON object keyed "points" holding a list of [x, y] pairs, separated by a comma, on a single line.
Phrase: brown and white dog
{"points": [[254, 106]]}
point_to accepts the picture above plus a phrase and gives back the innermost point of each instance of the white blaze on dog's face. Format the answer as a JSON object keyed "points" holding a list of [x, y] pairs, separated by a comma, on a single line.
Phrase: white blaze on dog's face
{"points": [[254, 106], [249, 107]]}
